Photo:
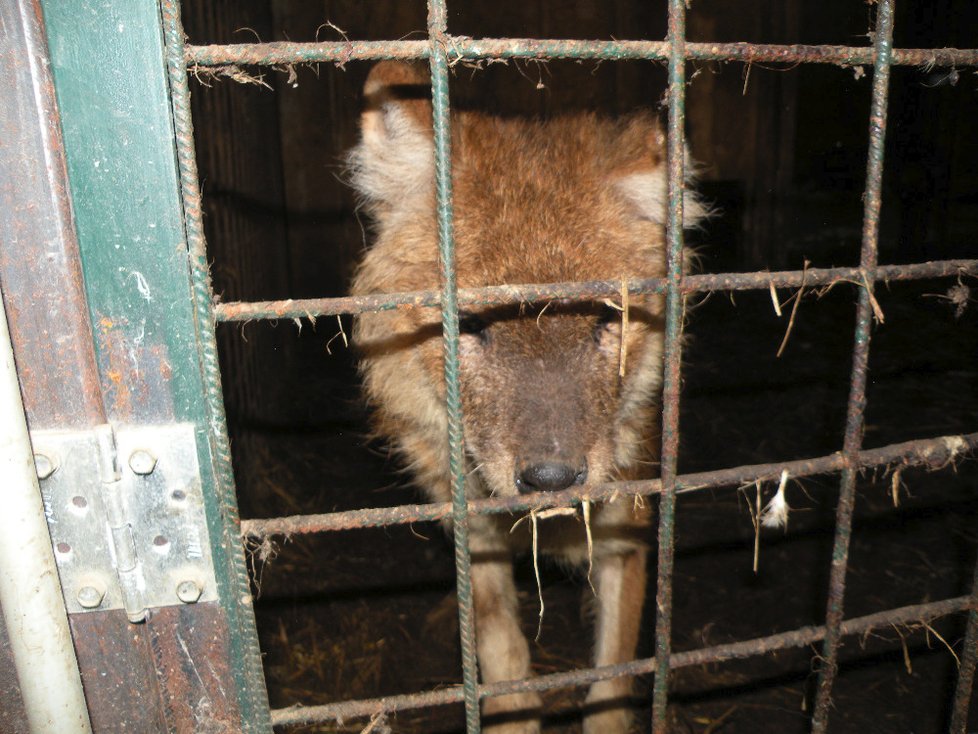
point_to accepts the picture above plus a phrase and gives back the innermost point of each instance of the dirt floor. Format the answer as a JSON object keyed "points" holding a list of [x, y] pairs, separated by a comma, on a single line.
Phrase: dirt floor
{"points": [[372, 612]]}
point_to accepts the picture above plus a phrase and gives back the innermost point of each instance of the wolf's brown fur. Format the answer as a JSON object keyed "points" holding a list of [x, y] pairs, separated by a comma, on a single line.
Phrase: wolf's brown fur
{"points": [[574, 198]]}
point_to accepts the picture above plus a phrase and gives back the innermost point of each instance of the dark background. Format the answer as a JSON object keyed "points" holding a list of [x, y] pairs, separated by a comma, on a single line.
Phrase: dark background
{"points": [[782, 156]]}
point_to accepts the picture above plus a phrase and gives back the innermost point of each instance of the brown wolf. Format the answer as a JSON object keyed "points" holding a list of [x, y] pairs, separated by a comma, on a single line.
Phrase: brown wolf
{"points": [[547, 402]]}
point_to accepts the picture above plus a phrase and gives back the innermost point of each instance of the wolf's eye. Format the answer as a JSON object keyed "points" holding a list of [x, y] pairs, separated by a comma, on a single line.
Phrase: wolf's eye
{"points": [[470, 323]]}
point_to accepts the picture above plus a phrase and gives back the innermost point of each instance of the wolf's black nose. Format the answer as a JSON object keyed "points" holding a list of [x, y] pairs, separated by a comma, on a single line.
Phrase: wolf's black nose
{"points": [[549, 476]]}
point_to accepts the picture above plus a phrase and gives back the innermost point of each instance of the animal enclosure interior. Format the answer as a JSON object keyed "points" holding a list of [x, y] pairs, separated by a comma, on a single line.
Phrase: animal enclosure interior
{"points": [[780, 153]]}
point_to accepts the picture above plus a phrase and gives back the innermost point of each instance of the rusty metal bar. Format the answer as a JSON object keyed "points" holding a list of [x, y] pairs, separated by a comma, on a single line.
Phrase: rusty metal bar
{"points": [[344, 710], [855, 419], [672, 355], [966, 668], [312, 308], [931, 454], [462, 47]]}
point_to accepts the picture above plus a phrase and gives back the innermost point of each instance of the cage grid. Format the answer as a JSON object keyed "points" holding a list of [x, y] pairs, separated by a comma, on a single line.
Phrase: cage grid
{"points": [[442, 50]]}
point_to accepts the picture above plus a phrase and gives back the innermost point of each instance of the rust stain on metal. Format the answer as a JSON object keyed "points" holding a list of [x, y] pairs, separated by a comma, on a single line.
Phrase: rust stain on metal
{"points": [[111, 341], [136, 371]]}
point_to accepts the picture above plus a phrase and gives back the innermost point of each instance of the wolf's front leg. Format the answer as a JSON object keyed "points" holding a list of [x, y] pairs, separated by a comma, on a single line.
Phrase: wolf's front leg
{"points": [[619, 581], [502, 648]]}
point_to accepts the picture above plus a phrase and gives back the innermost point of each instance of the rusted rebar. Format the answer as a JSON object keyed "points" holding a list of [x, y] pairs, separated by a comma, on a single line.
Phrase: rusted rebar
{"points": [[583, 290], [855, 419], [932, 454], [966, 667], [344, 710], [280, 53], [672, 356]]}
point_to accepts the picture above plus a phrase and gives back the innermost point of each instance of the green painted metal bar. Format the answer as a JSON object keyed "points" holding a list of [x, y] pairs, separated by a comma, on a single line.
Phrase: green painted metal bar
{"points": [[675, 159], [438, 59], [248, 673], [112, 86], [855, 419]]}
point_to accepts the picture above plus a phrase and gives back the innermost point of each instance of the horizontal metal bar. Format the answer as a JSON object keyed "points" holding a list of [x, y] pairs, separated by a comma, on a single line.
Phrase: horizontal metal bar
{"points": [[462, 47], [585, 290], [933, 454], [344, 710]]}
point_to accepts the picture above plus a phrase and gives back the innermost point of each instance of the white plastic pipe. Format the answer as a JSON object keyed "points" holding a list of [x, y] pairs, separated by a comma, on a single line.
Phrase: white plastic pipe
{"points": [[30, 591]]}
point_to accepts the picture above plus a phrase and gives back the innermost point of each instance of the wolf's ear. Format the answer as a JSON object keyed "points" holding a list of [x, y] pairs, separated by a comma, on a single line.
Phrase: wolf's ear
{"points": [[394, 160], [641, 176]]}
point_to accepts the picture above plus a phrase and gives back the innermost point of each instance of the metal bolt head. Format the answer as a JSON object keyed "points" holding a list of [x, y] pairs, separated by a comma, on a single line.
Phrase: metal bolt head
{"points": [[45, 466], [142, 461], [90, 597], [188, 592]]}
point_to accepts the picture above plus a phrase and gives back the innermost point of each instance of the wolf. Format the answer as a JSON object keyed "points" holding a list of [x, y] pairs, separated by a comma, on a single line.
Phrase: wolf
{"points": [[554, 395]]}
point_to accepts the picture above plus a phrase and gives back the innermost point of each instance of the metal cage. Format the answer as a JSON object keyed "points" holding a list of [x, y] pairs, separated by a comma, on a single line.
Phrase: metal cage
{"points": [[441, 49], [234, 619]]}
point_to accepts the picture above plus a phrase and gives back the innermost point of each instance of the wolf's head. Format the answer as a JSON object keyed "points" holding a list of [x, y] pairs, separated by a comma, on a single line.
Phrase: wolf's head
{"points": [[555, 394]]}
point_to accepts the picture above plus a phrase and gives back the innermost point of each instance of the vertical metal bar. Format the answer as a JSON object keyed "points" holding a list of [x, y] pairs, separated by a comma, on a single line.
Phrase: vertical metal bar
{"points": [[860, 360], [248, 672], [966, 670], [437, 29], [670, 391]]}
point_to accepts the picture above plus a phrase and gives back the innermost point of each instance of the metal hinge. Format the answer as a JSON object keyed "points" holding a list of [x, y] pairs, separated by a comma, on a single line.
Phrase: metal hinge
{"points": [[126, 513]]}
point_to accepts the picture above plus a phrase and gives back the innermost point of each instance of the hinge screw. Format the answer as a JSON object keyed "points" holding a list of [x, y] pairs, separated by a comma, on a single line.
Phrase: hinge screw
{"points": [[142, 461], [188, 592], [44, 465], [90, 597]]}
